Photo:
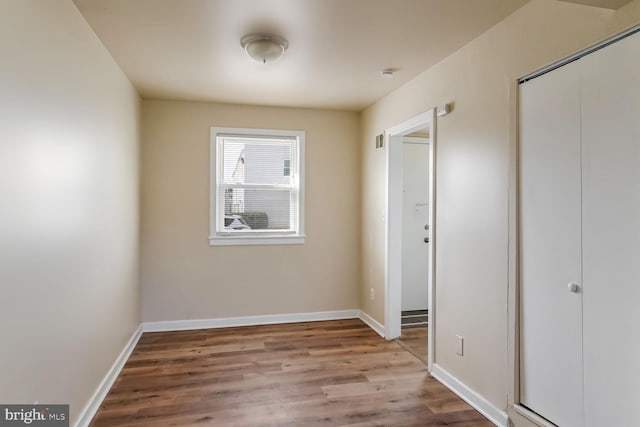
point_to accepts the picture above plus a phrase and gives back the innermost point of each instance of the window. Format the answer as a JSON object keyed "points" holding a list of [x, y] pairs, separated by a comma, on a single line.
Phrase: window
{"points": [[257, 186]]}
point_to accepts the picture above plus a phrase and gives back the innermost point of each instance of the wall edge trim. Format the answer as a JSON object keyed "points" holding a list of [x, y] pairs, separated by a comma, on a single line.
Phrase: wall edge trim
{"points": [[229, 322], [92, 406], [479, 403], [372, 323]]}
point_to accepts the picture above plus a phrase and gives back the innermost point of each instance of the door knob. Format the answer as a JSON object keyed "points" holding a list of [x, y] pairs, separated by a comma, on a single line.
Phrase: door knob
{"points": [[573, 287], [426, 240]]}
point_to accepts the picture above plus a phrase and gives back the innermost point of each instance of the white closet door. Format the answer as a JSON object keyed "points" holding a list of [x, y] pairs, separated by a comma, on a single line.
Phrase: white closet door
{"points": [[550, 205], [611, 233]]}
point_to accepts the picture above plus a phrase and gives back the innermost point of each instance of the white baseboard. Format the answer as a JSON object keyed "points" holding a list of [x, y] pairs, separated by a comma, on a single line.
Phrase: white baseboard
{"points": [[101, 392], [482, 405], [372, 323], [227, 322]]}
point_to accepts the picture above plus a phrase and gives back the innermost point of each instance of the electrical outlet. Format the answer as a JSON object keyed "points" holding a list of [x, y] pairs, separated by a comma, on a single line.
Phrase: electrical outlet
{"points": [[459, 345], [372, 294]]}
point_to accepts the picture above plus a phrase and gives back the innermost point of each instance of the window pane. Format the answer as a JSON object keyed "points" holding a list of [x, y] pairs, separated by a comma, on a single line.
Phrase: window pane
{"points": [[256, 162], [260, 209]]}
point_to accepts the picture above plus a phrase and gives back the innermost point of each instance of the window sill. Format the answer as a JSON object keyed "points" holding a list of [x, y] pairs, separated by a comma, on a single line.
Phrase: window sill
{"points": [[256, 240]]}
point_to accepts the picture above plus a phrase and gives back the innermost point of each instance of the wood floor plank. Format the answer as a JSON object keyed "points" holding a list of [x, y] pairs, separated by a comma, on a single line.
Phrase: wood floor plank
{"points": [[414, 340], [334, 373]]}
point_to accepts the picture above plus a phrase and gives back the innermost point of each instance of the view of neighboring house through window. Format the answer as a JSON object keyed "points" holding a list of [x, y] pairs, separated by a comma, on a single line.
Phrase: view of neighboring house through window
{"points": [[258, 186]]}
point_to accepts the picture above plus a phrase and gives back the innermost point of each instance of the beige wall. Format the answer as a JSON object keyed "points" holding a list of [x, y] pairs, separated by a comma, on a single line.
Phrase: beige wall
{"points": [[473, 166], [185, 278], [69, 217]]}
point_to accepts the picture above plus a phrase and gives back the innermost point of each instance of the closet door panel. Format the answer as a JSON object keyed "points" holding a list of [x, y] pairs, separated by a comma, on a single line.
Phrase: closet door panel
{"points": [[611, 233], [550, 246]]}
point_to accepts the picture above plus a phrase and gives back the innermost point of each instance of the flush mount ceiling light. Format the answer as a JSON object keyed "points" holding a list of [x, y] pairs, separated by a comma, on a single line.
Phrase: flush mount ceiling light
{"points": [[263, 47]]}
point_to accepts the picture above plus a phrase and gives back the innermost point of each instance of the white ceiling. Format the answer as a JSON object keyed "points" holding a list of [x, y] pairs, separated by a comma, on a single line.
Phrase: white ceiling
{"points": [[190, 49]]}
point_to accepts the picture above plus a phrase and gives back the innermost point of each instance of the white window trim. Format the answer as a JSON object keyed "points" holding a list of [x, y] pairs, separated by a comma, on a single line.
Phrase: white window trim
{"points": [[221, 238]]}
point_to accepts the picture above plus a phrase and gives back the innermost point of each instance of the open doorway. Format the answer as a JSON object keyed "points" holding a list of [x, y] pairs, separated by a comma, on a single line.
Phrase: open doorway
{"points": [[410, 235], [415, 243]]}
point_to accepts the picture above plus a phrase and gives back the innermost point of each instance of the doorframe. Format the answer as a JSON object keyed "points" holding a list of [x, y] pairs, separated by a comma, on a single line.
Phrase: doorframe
{"points": [[393, 227]]}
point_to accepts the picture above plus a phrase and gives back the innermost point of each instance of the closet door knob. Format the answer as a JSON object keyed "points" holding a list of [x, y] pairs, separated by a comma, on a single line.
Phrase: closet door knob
{"points": [[573, 287]]}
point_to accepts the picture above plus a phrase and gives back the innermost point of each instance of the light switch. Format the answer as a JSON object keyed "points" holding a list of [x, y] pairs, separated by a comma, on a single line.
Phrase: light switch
{"points": [[459, 345]]}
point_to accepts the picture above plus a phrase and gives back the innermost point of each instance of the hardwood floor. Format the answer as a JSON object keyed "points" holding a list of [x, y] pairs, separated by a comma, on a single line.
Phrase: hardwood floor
{"points": [[334, 373], [414, 340]]}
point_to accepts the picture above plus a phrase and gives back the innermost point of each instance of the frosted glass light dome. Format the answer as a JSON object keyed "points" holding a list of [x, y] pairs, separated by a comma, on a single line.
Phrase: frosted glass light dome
{"points": [[264, 48]]}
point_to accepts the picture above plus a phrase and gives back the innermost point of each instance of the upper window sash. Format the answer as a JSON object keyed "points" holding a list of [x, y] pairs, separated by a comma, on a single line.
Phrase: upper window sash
{"points": [[225, 175]]}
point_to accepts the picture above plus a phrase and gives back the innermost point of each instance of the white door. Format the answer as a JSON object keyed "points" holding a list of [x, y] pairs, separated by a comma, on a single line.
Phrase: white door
{"points": [[611, 233], [550, 247], [415, 223]]}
